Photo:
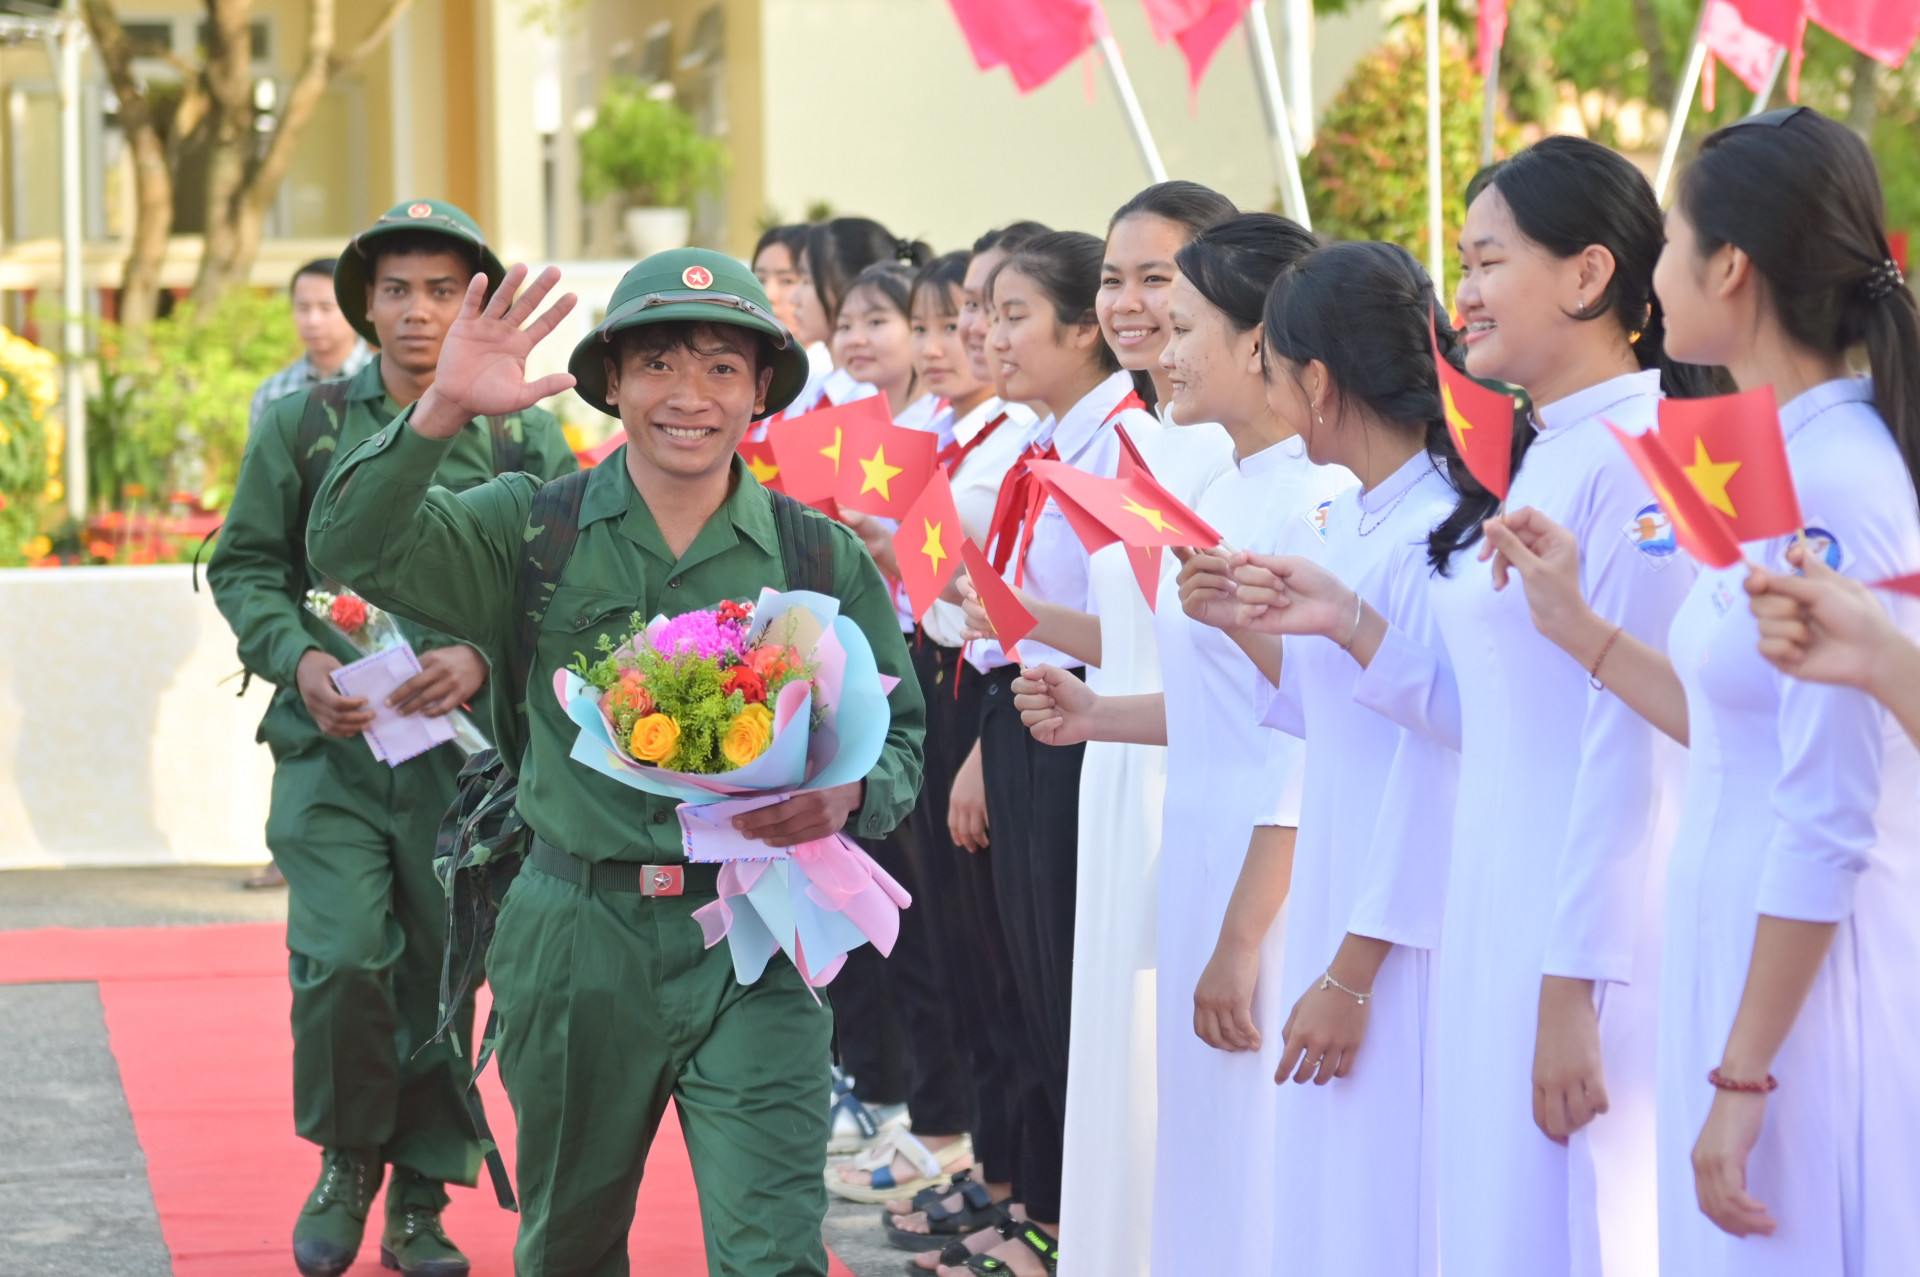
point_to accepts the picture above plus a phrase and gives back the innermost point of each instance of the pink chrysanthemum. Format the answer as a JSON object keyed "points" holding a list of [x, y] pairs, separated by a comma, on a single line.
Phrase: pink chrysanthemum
{"points": [[702, 633]]}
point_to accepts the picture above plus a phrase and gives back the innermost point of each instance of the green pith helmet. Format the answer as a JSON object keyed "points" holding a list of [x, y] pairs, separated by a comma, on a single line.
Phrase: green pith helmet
{"points": [[695, 284], [351, 273]]}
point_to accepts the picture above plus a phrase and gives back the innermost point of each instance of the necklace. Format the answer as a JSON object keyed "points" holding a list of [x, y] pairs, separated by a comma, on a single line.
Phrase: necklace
{"points": [[1378, 523]]}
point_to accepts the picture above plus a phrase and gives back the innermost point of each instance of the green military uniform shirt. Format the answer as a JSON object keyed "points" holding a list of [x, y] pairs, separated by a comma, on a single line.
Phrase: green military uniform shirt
{"points": [[253, 563], [451, 561]]}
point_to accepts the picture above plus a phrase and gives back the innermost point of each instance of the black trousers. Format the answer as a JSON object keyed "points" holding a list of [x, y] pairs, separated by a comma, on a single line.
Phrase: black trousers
{"points": [[1033, 815], [959, 909]]}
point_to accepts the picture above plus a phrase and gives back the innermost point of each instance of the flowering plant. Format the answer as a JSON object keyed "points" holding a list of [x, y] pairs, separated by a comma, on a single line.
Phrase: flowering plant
{"points": [[689, 694], [370, 629], [736, 708]]}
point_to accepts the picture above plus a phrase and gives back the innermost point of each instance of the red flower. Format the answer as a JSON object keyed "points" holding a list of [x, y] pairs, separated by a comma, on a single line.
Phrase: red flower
{"points": [[772, 661], [349, 613], [630, 693], [731, 611], [750, 685]]}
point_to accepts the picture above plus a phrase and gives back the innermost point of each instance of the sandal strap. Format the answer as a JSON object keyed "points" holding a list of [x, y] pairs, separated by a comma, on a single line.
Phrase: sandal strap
{"points": [[901, 1142], [974, 1199]]}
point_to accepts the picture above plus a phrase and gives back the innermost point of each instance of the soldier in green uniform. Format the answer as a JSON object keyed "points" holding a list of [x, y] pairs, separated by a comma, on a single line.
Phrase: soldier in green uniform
{"points": [[366, 918], [610, 1004]]}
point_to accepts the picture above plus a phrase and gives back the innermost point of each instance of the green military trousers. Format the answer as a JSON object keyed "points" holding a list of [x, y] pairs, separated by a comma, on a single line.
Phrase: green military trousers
{"points": [[609, 1006], [366, 926]]}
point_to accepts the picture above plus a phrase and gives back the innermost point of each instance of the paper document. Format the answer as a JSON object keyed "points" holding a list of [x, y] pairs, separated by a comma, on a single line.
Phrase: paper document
{"points": [[394, 737]]}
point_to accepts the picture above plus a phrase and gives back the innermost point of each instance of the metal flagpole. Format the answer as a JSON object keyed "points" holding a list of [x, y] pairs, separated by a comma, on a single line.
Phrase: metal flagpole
{"points": [[1266, 73], [1435, 223], [1136, 118], [73, 390], [1765, 94], [1682, 103]]}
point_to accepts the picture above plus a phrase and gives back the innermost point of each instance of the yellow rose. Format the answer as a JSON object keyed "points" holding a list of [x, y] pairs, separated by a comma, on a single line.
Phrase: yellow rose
{"points": [[748, 735], [654, 738]]}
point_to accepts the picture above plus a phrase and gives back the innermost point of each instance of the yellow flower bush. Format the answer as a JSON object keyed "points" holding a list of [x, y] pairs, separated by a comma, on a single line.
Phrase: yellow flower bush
{"points": [[31, 447], [654, 739], [748, 735]]}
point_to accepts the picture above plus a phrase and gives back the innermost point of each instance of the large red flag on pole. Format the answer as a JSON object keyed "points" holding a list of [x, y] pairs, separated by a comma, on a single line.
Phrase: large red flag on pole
{"points": [[1199, 27], [1493, 34], [1033, 39], [1881, 29]]}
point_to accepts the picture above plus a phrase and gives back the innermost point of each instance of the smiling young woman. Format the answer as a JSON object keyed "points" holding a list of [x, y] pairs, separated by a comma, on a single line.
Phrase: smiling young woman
{"points": [[1136, 276]]}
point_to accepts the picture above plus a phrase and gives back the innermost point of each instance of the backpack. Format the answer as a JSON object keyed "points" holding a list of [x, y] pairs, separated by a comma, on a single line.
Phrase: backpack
{"points": [[482, 840]]}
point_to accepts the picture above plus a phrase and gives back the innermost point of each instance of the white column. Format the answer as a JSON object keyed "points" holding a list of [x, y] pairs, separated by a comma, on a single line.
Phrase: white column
{"points": [[401, 121], [512, 169], [1436, 229], [73, 391]]}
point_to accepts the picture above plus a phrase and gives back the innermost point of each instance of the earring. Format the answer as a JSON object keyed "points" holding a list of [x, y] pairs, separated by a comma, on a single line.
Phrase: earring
{"points": [[1580, 306]]}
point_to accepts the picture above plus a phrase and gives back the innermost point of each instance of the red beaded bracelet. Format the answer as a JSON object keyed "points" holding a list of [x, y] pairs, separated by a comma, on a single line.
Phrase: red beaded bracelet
{"points": [[1758, 1088]]}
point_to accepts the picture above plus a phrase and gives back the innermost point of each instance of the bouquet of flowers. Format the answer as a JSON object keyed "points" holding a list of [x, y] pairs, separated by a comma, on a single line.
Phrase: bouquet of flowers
{"points": [[735, 708], [370, 630]]}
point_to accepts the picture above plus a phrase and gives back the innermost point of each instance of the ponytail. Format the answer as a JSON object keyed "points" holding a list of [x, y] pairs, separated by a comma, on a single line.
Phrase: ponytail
{"points": [[1798, 193]]}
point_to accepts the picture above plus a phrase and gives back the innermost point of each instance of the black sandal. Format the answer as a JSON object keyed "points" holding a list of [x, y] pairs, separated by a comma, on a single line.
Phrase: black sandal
{"points": [[977, 1210], [956, 1254], [1036, 1240]]}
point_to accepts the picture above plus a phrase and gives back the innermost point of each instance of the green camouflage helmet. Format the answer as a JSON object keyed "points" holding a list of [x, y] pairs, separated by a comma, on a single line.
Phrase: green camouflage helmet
{"points": [[352, 272], [694, 284]]}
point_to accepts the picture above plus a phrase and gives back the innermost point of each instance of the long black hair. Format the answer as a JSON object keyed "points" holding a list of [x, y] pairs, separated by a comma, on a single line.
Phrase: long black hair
{"points": [[837, 251], [1011, 237], [1233, 263], [1799, 195], [1188, 205], [940, 279], [1066, 266], [1362, 309]]}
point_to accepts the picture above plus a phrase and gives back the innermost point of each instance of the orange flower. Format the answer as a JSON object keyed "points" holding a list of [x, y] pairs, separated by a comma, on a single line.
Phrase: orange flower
{"points": [[773, 660], [630, 694], [654, 738], [748, 735], [744, 680]]}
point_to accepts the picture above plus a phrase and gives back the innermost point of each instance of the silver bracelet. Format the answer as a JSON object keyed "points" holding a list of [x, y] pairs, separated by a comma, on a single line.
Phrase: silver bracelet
{"points": [[1328, 982], [1358, 605]]}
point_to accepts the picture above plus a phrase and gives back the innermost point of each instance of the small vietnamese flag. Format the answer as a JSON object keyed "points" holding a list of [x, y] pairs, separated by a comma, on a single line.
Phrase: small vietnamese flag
{"points": [[1144, 559], [1136, 509], [1907, 584], [1701, 530], [758, 454], [1481, 423], [1011, 620], [928, 543], [883, 467], [808, 449], [1731, 447]]}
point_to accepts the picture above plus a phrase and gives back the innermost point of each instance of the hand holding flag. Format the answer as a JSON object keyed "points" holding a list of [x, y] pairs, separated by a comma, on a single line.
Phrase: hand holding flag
{"points": [[1825, 627], [1009, 617]]}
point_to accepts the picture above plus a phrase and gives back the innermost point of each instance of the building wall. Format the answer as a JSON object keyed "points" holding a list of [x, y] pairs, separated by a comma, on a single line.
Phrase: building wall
{"points": [[876, 106]]}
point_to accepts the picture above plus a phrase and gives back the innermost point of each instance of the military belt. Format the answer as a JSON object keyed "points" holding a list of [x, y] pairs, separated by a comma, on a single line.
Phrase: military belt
{"points": [[623, 875]]}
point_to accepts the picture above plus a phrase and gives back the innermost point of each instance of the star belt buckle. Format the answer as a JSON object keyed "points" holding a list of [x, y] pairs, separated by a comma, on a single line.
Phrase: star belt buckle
{"points": [[662, 880]]}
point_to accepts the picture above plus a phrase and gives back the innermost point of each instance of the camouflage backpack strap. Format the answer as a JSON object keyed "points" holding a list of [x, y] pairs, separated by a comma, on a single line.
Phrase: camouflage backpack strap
{"points": [[806, 544], [553, 525], [509, 443], [315, 443]]}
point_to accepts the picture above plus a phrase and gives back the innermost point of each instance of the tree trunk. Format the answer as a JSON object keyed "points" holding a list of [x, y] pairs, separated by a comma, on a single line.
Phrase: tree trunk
{"points": [[1646, 21], [229, 79], [1863, 100], [241, 210], [152, 173]]}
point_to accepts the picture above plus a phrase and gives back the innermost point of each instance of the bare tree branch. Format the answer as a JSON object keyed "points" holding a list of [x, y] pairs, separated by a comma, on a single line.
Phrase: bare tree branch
{"points": [[381, 29]]}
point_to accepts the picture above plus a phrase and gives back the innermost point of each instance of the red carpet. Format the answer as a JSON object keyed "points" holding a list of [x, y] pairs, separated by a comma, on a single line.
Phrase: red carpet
{"points": [[197, 1018]]}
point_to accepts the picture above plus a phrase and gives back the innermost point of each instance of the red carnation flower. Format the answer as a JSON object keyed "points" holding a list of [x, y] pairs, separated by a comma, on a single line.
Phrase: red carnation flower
{"points": [[349, 613], [750, 685]]}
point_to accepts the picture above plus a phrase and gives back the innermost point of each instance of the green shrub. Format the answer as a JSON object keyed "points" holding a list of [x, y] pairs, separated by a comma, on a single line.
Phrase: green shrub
{"points": [[1367, 175], [647, 149], [171, 414], [30, 446]]}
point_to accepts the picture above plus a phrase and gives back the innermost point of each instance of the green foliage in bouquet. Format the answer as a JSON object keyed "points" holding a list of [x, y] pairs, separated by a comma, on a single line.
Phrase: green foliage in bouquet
{"points": [[648, 149], [1367, 175]]}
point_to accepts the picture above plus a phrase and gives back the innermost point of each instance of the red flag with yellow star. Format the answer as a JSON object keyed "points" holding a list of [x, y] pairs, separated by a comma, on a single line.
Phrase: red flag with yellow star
{"points": [[1143, 559], [810, 448], [758, 454], [927, 544], [1480, 420], [1731, 447], [1134, 509], [884, 467], [1011, 620], [1701, 530]]}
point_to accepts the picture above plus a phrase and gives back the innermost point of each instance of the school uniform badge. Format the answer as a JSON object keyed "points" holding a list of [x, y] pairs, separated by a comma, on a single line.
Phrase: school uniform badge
{"points": [[1651, 533], [1317, 518], [1824, 544]]}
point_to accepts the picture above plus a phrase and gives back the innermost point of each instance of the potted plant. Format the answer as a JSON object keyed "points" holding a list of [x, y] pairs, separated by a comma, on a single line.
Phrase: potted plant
{"points": [[648, 149]]}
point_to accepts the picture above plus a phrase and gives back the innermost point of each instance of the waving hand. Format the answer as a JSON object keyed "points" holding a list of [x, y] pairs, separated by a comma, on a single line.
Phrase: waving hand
{"points": [[483, 362]]}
